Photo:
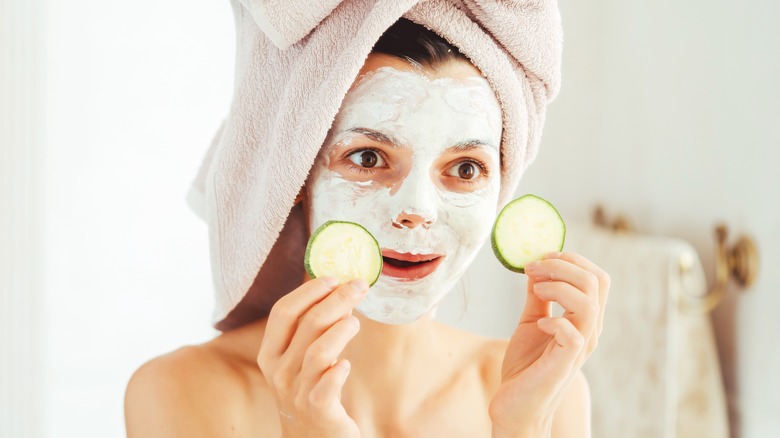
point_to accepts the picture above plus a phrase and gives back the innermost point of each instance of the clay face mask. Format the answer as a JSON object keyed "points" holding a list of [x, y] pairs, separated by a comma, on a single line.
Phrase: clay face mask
{"points": [[415, 160]]}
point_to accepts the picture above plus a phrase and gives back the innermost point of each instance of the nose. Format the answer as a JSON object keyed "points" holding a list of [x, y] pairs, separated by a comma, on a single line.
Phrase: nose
{"points": [[415, 200], [412, 219]]}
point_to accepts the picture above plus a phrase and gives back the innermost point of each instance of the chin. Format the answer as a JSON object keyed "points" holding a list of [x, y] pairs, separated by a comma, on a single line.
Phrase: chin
{"points": [[393, 310], [393, 301]]}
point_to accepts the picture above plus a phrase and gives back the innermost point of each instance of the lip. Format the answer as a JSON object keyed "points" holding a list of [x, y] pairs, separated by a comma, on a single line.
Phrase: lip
{"points": [[424, 265]]}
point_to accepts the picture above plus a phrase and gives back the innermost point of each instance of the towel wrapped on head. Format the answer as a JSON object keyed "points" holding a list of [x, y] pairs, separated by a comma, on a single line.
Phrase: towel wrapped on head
{"points": [[295, 62]]}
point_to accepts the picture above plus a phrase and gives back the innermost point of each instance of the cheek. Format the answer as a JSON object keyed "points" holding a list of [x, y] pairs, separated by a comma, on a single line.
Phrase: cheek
{"points": [[472, 218], [335, 198], [328, 194]]}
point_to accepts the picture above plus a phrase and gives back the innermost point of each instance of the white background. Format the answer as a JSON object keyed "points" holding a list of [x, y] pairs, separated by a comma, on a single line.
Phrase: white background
{"points": [[670, 113], [135, 91]]}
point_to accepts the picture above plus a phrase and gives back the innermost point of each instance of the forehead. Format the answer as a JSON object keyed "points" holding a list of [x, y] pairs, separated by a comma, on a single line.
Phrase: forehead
{"points": [[455, 71], [407, 97], [402, 97]]}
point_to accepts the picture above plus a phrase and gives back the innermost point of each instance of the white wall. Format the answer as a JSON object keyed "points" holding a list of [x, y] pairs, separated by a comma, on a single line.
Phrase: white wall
{"points": [[135, 91], [21, 243], [670, 114]]}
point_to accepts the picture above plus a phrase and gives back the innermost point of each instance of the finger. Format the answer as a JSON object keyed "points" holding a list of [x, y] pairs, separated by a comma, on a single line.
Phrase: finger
{"points": [[284, 315], [577, 259], [336, 306], [534, 307], [324, 352], [580, 309], [325, 397], [563, 353], [602, 276], [557, 269], [604, 283]]}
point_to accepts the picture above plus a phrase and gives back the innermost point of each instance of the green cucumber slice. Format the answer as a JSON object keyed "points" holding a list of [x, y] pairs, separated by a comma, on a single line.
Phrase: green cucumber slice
{"points": [[525, 230], [344, 250]]}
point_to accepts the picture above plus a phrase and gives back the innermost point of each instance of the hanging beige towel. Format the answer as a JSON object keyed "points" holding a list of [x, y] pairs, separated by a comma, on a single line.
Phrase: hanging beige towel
{"points": [[655, 372]]}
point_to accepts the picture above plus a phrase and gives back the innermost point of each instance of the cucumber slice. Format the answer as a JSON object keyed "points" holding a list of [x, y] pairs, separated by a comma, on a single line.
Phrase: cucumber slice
{"points": [[525, 230], [344, 250]]}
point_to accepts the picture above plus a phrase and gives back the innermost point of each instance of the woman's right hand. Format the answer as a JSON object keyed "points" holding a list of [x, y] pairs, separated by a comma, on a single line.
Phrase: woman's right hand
{"points": [[306, 332]]}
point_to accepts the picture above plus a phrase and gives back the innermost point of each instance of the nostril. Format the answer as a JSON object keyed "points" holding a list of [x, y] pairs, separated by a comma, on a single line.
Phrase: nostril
{"points": [[411, 220]]}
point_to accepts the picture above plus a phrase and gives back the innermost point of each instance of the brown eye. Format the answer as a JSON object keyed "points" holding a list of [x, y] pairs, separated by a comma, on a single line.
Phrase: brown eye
{"points": [[367, 159], [467, 170]]}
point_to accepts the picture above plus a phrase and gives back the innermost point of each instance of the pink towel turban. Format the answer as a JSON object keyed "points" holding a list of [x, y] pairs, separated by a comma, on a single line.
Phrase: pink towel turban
{"points": [[295, 61]]}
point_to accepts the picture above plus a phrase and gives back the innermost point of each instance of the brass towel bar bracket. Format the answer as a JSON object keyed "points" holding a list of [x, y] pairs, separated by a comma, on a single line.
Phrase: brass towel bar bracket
{"points": [[619, 224], [738, 261]]}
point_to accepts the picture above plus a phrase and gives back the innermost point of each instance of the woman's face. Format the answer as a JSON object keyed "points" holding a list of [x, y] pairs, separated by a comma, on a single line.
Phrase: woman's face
{"points": [[413, 156]]}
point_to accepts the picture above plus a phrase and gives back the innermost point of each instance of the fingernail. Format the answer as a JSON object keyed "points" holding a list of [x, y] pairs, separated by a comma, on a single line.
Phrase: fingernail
{"points": [[359, 286], [553, 255], [330, 281], [533, 266]]}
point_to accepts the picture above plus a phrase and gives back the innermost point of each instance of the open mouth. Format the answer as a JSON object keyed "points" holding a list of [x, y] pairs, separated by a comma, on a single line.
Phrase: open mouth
{"points": [[409, 267]]}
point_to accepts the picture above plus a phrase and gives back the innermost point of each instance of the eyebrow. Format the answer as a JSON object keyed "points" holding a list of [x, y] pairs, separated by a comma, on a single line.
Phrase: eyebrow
{"points": [[471, 144], [462, 146], [377, 136]]}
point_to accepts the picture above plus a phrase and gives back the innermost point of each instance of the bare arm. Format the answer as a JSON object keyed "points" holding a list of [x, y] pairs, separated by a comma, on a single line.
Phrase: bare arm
{"points": [[572, 418]]}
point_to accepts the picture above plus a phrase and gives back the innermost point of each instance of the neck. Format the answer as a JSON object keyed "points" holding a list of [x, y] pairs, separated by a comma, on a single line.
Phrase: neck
{"points": [[396, 362], [390, 345]]}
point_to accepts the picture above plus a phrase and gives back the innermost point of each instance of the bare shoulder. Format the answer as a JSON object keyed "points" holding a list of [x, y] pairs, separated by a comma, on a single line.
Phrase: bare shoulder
{"points": [[485, 353], [493, 351], [159, 395], [170, 395]]}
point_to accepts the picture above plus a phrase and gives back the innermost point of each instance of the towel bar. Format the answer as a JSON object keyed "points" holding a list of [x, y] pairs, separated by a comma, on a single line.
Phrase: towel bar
{"points": [[739, 261], [620, 224]]}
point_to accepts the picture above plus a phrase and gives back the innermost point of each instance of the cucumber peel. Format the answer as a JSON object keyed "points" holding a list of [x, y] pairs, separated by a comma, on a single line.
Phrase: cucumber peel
{"points": [[345, 251], [525, 230]]}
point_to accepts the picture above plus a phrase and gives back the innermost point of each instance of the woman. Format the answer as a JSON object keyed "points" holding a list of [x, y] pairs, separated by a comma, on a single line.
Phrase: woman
{"points": [[414, 155]]}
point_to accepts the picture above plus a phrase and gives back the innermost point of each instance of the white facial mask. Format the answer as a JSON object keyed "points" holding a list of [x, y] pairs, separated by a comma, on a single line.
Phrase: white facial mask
{"points": [[428, 116]]}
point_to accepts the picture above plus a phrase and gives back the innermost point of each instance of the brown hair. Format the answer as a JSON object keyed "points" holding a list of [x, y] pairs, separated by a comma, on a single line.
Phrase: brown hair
{"points": [[412, 42]]}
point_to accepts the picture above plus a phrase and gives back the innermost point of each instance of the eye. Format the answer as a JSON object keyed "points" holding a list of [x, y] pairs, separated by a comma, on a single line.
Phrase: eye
{"points": [[466, 170], [367, 158]]}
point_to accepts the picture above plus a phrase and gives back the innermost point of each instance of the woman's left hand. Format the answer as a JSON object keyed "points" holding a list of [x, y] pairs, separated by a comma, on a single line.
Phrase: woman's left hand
{"points": [[545, 353]]}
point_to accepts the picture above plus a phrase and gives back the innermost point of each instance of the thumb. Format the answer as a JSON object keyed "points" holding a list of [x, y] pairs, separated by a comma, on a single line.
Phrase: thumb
{"points": [[535, 308]]}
